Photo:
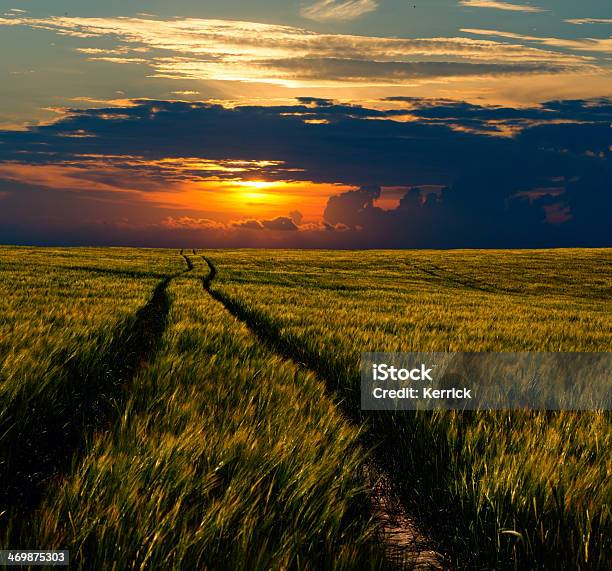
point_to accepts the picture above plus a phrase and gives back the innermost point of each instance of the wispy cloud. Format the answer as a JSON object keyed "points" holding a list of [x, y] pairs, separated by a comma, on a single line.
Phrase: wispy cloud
{"points": [[226, 50], [500, 5], [603, 45], [333, 11], [579, 21]]}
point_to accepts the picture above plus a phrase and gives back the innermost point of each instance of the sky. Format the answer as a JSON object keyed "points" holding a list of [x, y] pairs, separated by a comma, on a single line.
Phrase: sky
{"points": [[315, 123]]}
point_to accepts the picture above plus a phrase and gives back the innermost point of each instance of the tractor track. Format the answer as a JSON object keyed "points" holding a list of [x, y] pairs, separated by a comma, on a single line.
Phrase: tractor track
{"points": [[405, 545], [91, 396]]}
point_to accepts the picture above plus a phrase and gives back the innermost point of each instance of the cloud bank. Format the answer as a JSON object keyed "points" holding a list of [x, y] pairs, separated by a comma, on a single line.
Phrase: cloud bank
{"points": [[424, 173], [226, 50]]}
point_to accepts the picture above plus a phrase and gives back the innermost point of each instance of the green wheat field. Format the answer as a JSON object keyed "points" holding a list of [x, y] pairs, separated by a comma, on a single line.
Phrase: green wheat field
{"points": [[200, 409]]}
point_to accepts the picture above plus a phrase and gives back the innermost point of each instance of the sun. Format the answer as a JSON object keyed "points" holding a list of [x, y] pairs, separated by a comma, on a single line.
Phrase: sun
{"points": [[254, 190], [257, 184]]}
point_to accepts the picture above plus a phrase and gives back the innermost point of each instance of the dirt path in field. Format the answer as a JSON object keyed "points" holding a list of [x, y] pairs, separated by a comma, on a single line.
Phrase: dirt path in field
{"points": [[406, 546], [90, 397]]}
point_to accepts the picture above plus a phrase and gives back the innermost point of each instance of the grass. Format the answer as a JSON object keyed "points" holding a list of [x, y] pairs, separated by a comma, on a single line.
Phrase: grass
{"points": [[509, 489], [72, 325], [196, 441], [225, 456]]}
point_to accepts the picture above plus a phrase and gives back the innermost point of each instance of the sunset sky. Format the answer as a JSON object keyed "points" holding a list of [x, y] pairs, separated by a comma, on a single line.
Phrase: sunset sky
{"points": [[349, 123]]}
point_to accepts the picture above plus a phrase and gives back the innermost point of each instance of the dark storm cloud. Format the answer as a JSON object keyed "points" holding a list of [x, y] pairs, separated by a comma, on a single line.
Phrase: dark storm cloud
{"points": [[316, 101], [283, 223], [280, 223], [496, 118], [575, 138], [248, 224], [546, 185], [575, 110]]}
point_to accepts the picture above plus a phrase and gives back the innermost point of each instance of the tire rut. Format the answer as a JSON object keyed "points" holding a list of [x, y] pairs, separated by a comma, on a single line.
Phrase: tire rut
{"points": [[90, 398], [405, 545]]}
